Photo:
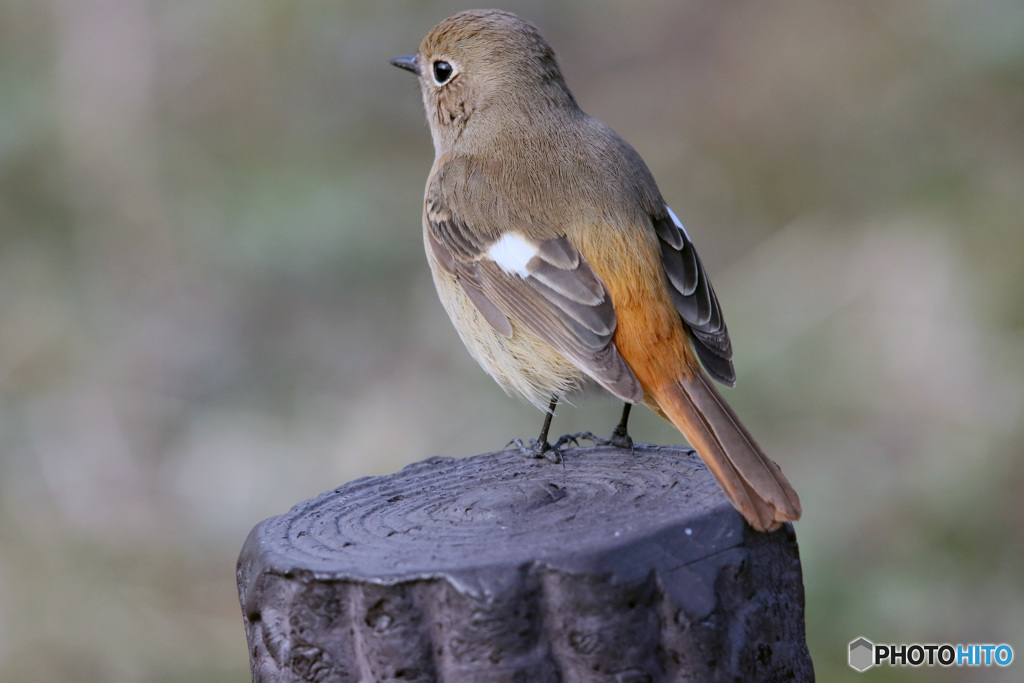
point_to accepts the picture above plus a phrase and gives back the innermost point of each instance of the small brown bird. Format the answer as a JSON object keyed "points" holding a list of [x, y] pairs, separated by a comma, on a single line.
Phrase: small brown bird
{"points": [[559, 262]]}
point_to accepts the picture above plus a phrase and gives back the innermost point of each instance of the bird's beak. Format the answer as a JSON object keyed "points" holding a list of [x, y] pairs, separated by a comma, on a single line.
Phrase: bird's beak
{"points": [[407, 62]]}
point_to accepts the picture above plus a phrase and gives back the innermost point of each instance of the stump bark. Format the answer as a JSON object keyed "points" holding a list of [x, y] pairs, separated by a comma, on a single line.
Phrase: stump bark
{"points": [[612, 566]]}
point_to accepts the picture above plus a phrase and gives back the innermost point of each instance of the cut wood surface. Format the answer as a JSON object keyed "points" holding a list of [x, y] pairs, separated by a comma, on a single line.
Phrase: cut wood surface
{"points": [[611, 566]]}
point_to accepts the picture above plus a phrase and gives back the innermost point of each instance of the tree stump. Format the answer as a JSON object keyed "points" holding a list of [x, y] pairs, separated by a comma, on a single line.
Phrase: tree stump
{"points": [[612, 566]]}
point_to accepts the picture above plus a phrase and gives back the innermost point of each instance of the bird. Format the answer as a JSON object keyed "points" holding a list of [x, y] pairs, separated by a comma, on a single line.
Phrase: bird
{"points": [[559, 262]]}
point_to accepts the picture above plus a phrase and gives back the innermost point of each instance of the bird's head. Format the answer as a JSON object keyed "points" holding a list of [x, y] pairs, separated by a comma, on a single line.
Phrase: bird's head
{"points": [[487, 69]]}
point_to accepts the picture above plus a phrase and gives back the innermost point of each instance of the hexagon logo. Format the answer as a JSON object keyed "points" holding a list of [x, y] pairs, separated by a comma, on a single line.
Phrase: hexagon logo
{"points": [[862, 654]]}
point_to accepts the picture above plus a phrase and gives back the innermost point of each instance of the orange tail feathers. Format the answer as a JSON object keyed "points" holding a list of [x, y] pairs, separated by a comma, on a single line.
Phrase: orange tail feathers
{"points": [[752, 481]]}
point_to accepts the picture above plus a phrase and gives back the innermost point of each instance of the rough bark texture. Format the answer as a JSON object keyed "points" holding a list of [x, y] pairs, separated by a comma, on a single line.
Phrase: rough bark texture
{"points": [[609, 567]]}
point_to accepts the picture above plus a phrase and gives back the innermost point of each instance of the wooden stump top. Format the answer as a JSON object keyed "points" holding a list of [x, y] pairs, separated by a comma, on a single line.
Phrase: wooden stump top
{"points": [[465, 519], [629, 566]]}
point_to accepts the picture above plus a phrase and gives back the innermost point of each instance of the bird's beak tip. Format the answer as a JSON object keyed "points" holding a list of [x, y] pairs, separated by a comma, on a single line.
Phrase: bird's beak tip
{"points": [[407, 62]]}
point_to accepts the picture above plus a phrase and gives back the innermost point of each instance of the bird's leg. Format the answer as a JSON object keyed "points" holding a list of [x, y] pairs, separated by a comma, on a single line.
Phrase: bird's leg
{"points": [[543, 438], [620, 435], [539, 447]]}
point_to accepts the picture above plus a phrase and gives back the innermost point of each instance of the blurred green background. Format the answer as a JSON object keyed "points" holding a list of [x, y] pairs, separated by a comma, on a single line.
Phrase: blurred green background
{"points": [[214, 302]]}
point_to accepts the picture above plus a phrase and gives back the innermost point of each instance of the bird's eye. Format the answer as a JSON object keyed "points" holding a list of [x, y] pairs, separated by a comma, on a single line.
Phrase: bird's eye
{"points": [[442, 72]]}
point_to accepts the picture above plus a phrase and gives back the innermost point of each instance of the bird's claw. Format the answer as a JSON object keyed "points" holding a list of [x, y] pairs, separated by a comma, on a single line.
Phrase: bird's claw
{"points": [[619, 439], [538, 449], [567, 439]]}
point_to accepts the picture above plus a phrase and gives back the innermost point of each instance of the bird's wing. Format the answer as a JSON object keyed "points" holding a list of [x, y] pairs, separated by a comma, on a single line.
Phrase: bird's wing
{"points": [[544, 285], [695, 298]]}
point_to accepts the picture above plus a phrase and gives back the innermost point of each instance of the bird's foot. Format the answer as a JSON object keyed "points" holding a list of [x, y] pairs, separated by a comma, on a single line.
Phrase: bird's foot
{"points": [[619, 439], [539, 449]]}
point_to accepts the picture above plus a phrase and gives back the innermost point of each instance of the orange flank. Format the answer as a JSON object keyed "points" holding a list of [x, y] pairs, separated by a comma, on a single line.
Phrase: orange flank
{"points": [[655, 343]]}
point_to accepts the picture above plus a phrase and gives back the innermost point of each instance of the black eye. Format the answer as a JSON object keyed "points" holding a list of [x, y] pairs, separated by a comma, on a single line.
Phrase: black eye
{"points": [[442, 72]]}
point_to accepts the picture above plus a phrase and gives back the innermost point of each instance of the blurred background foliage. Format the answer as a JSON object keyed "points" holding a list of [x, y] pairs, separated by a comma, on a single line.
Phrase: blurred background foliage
{"points": [[214, 303]]}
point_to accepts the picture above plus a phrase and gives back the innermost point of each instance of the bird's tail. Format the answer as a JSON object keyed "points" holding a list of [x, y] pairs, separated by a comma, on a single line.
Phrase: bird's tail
{"points": [[752, 481]]}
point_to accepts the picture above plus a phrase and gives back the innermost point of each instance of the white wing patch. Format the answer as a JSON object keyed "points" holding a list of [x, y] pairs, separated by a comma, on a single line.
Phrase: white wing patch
{"points": [[679, 223], [512, 253]]}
